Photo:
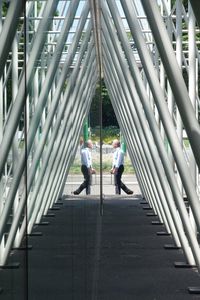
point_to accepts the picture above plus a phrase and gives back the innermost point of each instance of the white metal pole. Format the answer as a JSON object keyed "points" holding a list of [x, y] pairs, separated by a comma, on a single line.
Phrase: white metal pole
{"points": [[192, 90], [174, 74]]}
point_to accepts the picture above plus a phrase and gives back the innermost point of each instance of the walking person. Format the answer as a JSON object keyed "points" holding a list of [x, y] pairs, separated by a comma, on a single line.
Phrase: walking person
{"points": [[118, 169], [86, 169]]}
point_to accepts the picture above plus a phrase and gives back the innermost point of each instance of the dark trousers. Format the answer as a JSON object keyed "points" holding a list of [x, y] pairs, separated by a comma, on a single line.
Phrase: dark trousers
{"points": [[118, 183], [87, 180]]}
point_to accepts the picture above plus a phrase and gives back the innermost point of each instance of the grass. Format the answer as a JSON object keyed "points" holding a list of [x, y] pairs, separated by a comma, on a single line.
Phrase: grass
{"points": [[106, 165]]}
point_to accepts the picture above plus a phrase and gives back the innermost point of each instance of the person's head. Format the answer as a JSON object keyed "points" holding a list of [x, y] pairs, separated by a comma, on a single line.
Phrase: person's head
{"points": [[116, 143], [89, 144], [81, 141]]}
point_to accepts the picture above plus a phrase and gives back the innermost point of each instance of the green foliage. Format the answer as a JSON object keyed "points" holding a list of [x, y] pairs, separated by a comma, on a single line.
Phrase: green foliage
{"points": [[186, 143], [185, 3], [108, 115], [108, 134], [5, 6]]}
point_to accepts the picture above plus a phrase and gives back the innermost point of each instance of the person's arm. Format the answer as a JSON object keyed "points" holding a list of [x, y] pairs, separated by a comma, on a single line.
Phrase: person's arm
{"points": [[93, 171]]}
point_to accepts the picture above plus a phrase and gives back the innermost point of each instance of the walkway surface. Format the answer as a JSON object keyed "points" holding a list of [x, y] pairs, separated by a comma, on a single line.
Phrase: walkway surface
{"points": [[82, 256], [73, 182]]}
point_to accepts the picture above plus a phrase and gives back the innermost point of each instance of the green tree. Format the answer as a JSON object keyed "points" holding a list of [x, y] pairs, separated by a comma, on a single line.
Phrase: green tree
{"points": [[185, 3], [108, 114]]}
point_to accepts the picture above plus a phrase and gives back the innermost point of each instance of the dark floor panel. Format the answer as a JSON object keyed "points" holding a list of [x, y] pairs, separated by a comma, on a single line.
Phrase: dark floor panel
{"points": [[83, 256]]}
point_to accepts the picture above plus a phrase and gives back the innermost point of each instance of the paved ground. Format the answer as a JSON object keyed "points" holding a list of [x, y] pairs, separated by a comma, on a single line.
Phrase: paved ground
{"points": [[73, 181], [82, 256]]}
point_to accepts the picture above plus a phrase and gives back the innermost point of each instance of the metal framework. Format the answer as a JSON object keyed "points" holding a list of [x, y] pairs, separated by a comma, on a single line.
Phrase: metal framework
{"points": [[50, 63]]}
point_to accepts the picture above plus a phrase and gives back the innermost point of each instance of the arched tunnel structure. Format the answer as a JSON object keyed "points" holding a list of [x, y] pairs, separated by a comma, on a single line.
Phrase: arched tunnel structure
{"points": [[53, 54]]}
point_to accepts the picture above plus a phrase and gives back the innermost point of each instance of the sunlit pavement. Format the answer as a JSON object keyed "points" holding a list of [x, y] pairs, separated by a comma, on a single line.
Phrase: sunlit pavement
{"points": [[73, 181]]}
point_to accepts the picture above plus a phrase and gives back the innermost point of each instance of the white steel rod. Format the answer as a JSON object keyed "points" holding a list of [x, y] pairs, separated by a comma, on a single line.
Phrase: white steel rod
{"points": [[138, 146], [181, 204], [174, 75], [46, 193], [34, 123], [192, 92], [54, 172], [8, 30], [133, 118], [40, 146], [167, 122], [14, 116], [57, 192], [140, 172]]}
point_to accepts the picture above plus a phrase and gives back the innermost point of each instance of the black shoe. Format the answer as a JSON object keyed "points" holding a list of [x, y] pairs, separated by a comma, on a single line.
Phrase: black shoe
{"points": [[75, 193], [129, 192]]}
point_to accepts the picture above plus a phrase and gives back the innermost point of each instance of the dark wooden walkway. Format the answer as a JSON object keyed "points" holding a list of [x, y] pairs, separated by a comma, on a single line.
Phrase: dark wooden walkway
{"points": [[82, 256]]}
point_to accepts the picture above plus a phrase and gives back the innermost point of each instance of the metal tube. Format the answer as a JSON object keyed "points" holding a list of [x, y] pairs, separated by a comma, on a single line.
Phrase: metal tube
{"points": [[37, 115], [192, 92], [15, 154], [62, 133], [174, 75], [179, 125], [134, 117], [46, 192], [85, 131], [136, 144], [57, 191], [9, 29], [58, 143], [133, 156], [167, 121], [173, 210], [77, 94], [12, 123], [48, 152], [113, 37], [127, 108], [1, 116], [67, 113]]}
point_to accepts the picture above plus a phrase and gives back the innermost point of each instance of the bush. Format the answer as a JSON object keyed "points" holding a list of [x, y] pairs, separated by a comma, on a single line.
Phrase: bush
{"points": [[108, 134]]}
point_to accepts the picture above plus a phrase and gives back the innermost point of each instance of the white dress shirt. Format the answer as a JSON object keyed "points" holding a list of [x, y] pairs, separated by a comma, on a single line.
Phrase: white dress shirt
{"points": [[118, 158], [86, 158]]}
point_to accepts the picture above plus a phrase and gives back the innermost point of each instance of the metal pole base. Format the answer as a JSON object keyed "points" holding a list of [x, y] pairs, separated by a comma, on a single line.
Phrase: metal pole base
{"points": [[49, 215], [54, 208], [194, 290], [151, 215], [36, 233], [42, 223], [156, 223], [171, 247], [10, 266], [28, 247], [147, 208], [184, 265], [163, 233], [58, 203]]}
